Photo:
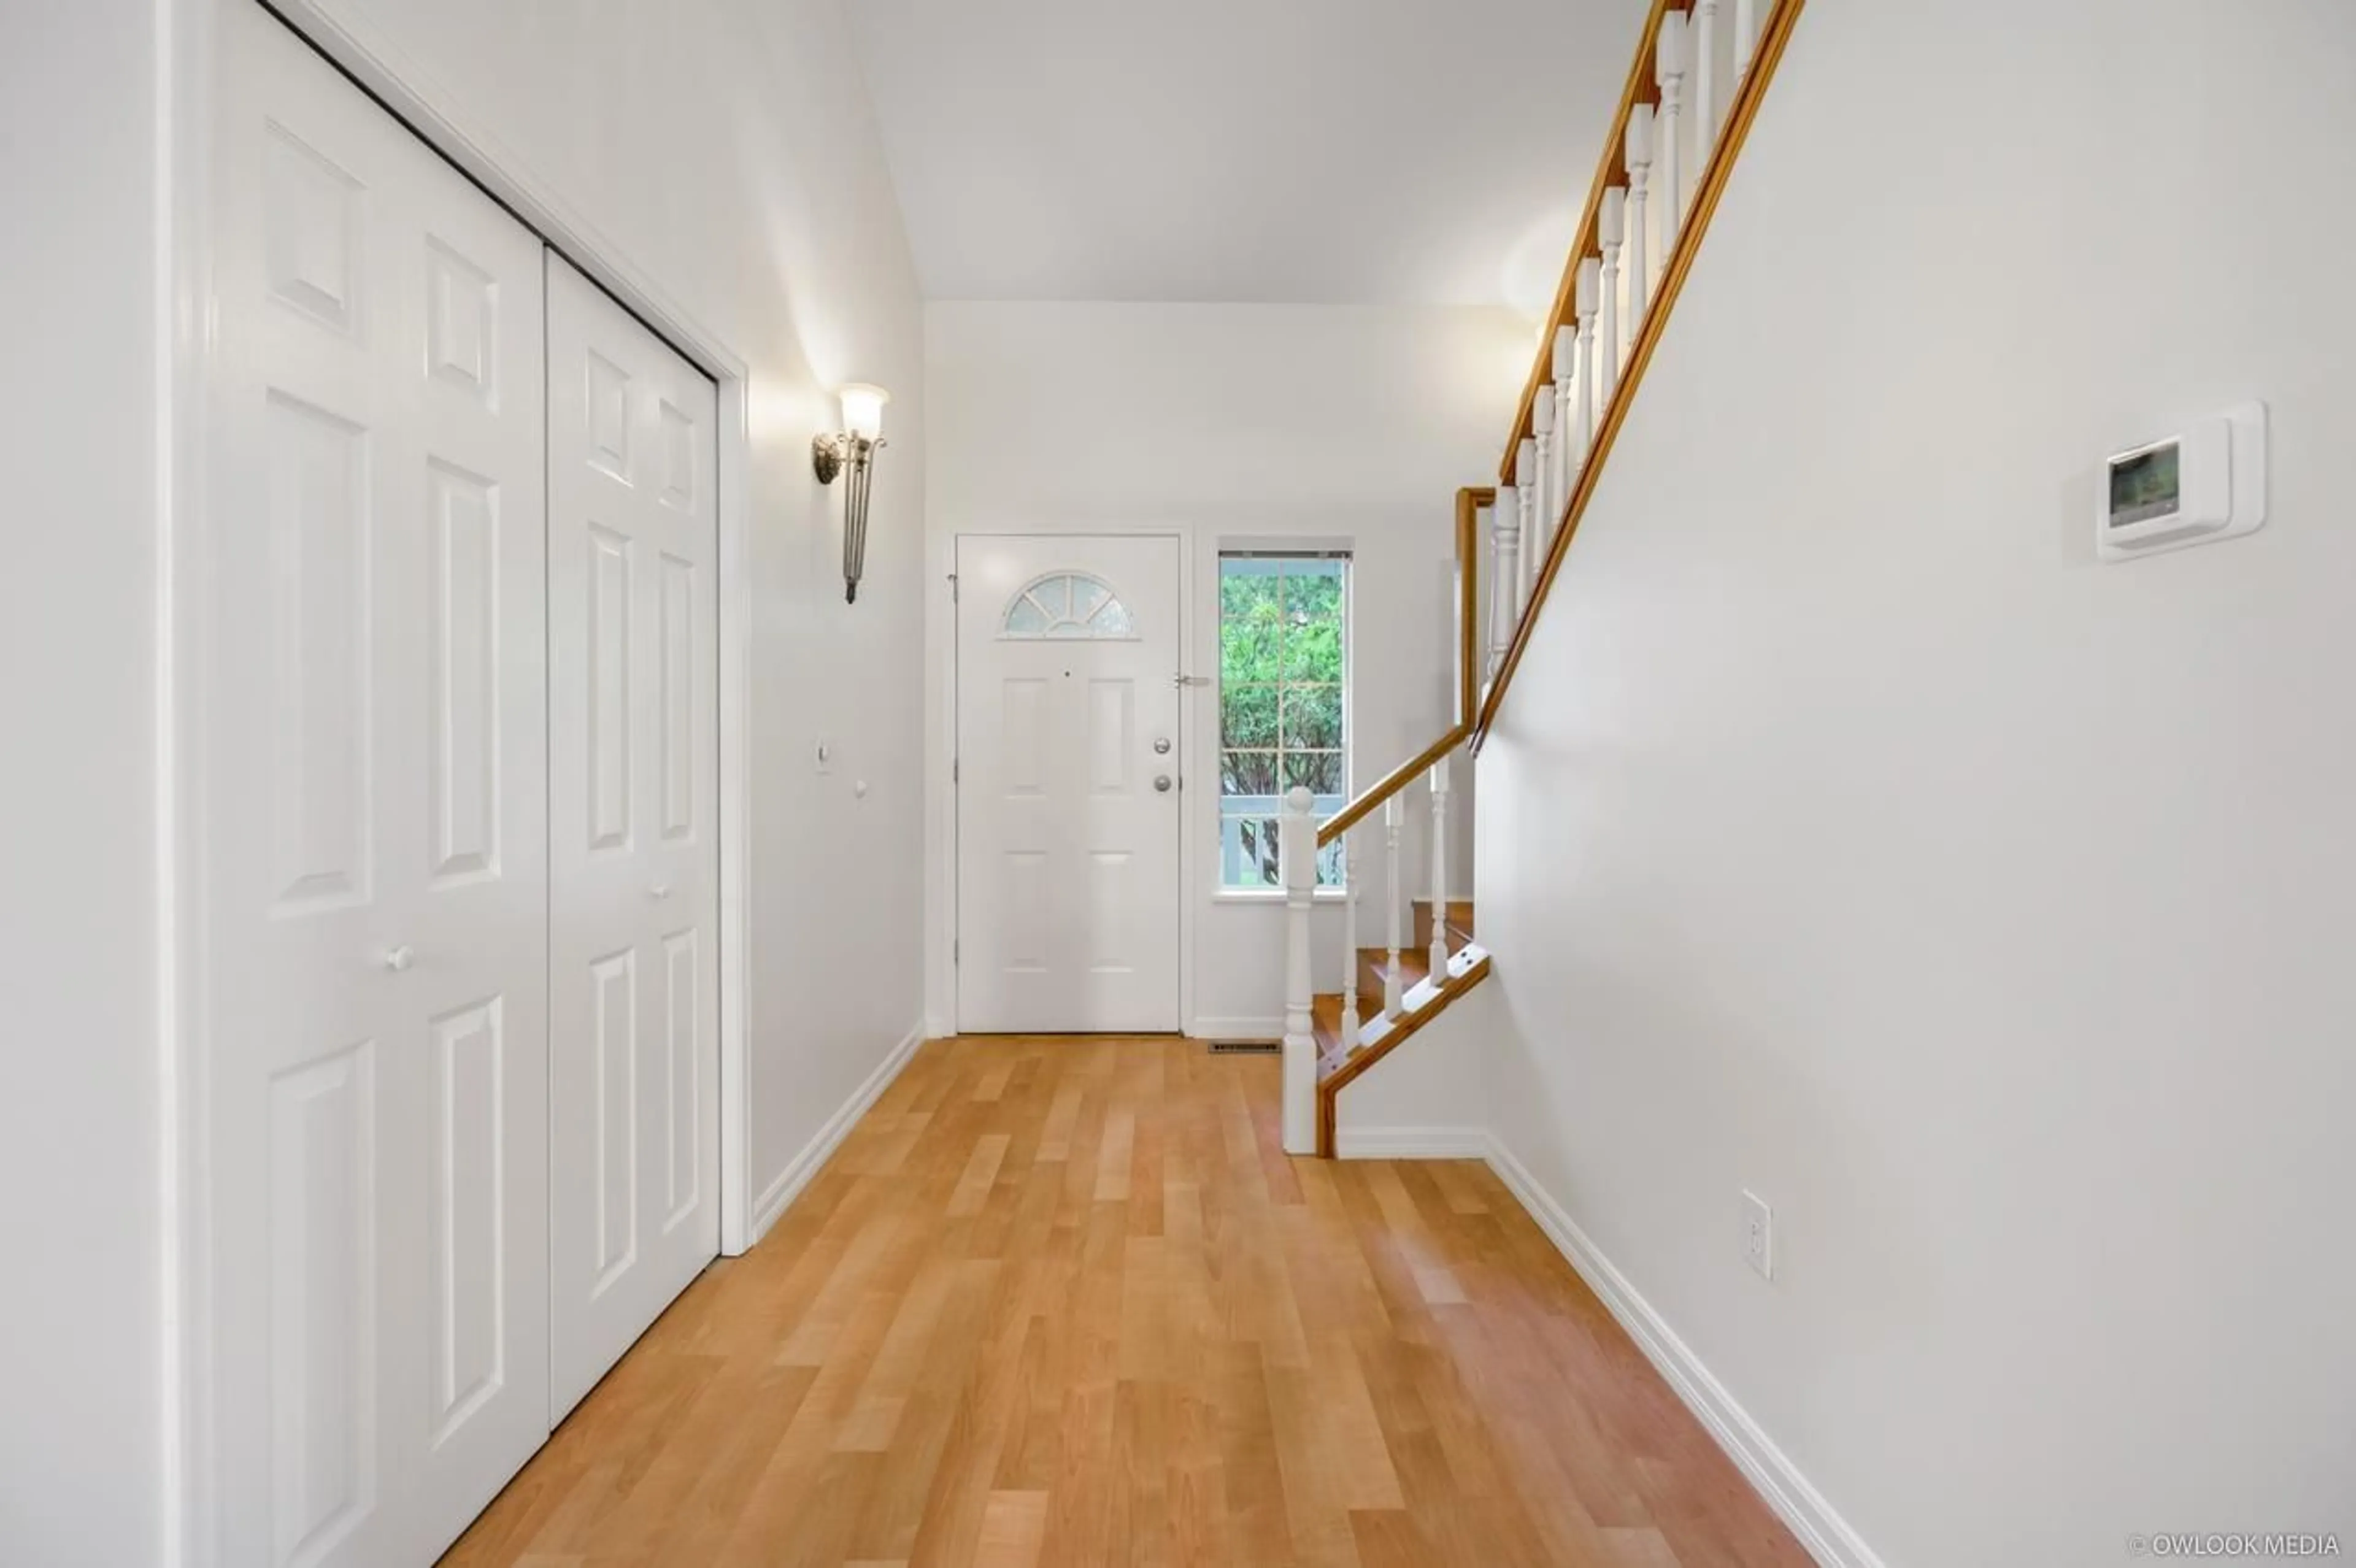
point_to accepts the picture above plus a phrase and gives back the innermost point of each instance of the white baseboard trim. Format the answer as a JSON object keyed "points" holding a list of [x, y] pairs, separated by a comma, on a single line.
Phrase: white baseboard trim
{"points": [[1827, 1536], [1410, 1143], [1270, 1027], [798, 1170]]}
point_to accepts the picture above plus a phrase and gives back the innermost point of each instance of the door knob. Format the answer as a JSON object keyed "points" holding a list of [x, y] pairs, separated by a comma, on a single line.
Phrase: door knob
{"points": [[399, 959], [660, 891], [1161, 783], [1161, 746]]}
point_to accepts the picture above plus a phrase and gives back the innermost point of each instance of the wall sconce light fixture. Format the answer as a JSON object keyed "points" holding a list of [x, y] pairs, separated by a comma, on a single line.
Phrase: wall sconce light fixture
{"points": [[861, 433]]}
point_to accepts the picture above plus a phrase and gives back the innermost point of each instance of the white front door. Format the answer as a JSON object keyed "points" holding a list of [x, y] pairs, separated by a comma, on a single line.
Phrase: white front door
{"points": [[633, 539], [1067, 784], [371, 837]]}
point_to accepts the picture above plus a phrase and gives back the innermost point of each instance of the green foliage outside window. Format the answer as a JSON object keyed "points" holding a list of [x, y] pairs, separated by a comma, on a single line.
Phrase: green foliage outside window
{"points": [[1282, 667]]}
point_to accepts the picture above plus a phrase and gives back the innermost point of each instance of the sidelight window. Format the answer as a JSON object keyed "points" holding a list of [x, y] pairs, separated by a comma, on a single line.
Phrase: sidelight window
{"points": [[1283, 705]]}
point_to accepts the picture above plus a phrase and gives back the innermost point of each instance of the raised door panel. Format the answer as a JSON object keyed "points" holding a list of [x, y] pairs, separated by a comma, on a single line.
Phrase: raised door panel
{"points": [[464, 720], [686, 1048], [678, 636], [1114, 756], [614, 1063], [312, 231], [607, 672], [468, 1255], [462, 323], [323, 1305], [321, 698]]}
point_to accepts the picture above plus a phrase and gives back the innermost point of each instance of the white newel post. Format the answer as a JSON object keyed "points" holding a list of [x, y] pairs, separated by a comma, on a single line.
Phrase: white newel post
{"points": [[1612, 229], [1746, 37], [1669, 68], [1546, 499], [1349, 943], [1705, 98], [1393, 818], [1640, 177], [1504, 573], [1439, 870], [1297, 850], [1590, 405], [1526, 490]]}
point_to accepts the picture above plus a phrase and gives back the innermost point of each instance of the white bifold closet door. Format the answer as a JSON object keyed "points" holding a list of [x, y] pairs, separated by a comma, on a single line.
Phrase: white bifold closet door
{"points": [[371, 877], [632, 542]]}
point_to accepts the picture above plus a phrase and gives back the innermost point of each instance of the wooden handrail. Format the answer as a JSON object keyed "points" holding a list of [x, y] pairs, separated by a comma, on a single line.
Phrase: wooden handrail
{"points": [[1585, 239], [1391, 783], [1744, 109], [1469, 502]]}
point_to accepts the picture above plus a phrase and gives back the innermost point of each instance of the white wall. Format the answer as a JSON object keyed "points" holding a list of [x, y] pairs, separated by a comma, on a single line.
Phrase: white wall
{"points": [[81, 1226], [1853, 836], [1224, 423], [727, 149]]}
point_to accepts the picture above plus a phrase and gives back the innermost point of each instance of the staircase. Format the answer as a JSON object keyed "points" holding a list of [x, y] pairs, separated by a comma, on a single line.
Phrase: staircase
{"points": [[1702, 70], [1344, 1052], [1390, 993]]}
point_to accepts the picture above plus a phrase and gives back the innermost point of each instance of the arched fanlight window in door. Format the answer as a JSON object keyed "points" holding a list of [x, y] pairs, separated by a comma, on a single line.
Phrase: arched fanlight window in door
{"points": [[1067, 605]]}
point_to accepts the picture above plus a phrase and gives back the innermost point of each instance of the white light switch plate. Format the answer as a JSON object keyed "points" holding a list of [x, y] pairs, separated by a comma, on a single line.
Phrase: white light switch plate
{"points": [[1758, 1235]]}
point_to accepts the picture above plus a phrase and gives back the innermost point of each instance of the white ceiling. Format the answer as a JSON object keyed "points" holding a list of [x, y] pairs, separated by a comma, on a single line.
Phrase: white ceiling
{"points": [[1394, 152]]}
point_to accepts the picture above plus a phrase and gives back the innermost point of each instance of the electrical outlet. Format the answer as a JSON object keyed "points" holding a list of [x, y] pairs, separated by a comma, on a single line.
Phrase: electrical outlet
{"points": [[1758, 1235]]}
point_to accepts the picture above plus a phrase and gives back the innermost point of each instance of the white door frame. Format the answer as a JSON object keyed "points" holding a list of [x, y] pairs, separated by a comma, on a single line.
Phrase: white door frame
{"points": [[945, 631], [186, 74]]}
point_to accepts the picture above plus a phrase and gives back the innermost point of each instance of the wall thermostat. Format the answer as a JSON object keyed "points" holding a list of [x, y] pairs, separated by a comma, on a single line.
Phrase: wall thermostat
{"points": [[2207, 482]]}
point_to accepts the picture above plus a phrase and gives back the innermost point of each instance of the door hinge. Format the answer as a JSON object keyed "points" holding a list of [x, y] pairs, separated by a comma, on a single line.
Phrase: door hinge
{"points": [[955, 775], [953, 588], [957, 950]]}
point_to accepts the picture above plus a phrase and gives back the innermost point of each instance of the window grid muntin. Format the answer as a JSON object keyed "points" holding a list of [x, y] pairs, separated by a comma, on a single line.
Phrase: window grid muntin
{"points": [[1050, 609]]}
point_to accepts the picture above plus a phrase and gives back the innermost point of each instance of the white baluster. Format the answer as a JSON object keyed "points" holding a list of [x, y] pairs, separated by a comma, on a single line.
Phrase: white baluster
{"points": [[1349, 943], [1546, 503], [1746, 37], [1591, 406], [1525, 467], [1504, 573], [1439, 870], [1393, 818], [1705, 95], [1569, 434], [1296, 853], [1669, 68], [1612, 228], [1640, 176]]}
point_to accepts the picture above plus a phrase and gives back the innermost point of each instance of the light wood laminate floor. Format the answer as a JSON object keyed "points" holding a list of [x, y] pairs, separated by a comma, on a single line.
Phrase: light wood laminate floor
{"points": [[1065, 1301]]}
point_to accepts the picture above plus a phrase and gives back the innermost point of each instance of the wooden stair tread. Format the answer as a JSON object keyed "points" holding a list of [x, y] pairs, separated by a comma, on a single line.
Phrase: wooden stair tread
{"points": [[1325, 1008], [1341, 1060], [1338, 1065]]}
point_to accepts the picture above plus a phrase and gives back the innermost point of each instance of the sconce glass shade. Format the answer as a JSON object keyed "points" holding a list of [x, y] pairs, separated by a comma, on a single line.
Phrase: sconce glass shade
{"points": [[862, 410]]}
